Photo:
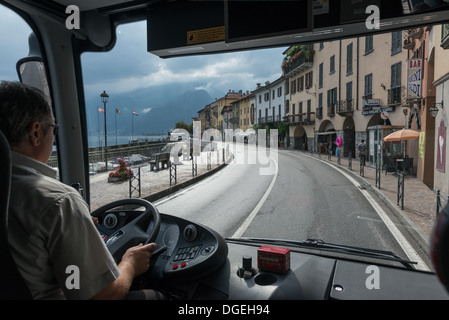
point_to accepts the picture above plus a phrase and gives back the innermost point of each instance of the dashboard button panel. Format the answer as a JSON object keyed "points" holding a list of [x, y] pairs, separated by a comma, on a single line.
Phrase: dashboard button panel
{"points": [[187, 253]]}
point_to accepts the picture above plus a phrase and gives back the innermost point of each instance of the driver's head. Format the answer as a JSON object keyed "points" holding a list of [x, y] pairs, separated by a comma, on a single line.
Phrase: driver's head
{"points": [[26, 120]]}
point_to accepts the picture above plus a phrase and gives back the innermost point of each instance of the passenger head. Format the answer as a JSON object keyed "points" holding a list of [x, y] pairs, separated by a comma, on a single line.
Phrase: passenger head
{"points": [[26, 119]]}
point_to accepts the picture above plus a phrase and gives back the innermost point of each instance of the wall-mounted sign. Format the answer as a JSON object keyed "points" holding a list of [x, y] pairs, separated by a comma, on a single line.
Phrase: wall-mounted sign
{"points": [[370, 103], [375, 111], [421, 144], [414, 70]]}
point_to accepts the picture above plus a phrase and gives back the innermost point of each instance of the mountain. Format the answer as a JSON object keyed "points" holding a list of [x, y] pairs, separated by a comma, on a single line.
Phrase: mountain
{"points": [[158, 109], [181, 108]]}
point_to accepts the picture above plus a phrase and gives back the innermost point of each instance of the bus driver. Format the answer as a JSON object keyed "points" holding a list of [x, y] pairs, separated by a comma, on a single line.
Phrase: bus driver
{"points": [[50, 227]]}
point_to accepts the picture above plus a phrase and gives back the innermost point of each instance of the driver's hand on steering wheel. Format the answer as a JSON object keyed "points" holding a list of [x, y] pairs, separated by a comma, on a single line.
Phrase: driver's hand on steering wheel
{"points": [[136, 260]]}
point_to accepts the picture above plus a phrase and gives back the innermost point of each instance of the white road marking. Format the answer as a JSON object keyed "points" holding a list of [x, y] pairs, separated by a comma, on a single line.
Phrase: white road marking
{"points": [[240, 231], [405, 245]]}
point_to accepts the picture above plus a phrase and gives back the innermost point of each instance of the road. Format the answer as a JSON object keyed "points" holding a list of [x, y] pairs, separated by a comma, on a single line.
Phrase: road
{"points": [[303, 198]]}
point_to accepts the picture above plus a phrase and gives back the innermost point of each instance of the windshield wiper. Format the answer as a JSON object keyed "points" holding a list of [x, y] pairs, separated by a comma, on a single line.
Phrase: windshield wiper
{"points": [[321, 245]]}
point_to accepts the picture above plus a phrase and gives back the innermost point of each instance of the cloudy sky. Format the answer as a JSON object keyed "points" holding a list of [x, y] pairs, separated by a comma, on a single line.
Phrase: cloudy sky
{"points": [[129, 66]]}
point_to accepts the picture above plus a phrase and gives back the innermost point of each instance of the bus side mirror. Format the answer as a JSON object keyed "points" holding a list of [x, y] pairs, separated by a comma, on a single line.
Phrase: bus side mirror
{"points": [[31, 69]]}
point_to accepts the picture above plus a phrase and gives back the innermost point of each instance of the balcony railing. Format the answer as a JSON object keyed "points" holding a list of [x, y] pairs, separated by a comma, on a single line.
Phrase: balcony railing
{"points": [[415, 33], [409, 44], [300, 119], [300, 64], [395, 96], [331, 110], [345, 107], [319, 113], [269, 119]]}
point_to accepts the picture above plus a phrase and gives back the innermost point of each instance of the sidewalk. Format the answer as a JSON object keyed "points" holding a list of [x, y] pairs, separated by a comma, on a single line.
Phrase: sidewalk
{"points": [[153, 184], [419, 199]]}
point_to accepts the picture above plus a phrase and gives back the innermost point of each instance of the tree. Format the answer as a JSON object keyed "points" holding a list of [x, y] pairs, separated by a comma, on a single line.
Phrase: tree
{"points": [[282, 129], [183, 125]]}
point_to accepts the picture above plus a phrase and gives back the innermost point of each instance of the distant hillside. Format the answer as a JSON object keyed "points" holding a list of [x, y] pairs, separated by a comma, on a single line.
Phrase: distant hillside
{"points": [[158, 108]]}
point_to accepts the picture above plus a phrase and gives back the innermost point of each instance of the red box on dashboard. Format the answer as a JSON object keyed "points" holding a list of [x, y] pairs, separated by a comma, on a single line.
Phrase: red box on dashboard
{"points": [[274, 259]]}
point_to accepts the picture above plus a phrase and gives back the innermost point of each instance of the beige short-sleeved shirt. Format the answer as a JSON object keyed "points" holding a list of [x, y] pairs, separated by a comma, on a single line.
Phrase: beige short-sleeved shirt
{"points": [[52, 236]]}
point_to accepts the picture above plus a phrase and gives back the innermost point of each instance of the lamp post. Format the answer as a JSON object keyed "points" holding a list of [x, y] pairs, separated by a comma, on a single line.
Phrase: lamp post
{"points": [[434, 109], [104, 98], [405, 112]]}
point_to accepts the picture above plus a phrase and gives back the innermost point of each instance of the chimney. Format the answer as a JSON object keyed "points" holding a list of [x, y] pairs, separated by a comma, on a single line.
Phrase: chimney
{"points": [[267, 83], [258, 85]]}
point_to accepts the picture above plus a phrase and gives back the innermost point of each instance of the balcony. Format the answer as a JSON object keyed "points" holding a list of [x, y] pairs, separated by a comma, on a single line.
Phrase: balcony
{"points": [[395, 96], [269, 119], [304, 119], [445, 36], [300, 61], [331, 110], [345, 108], [409, 44], [415, 33], [319, 113]]}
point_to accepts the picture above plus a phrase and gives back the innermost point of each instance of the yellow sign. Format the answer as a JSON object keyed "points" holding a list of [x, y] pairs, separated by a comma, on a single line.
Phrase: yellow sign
{"points": [[421, 144], [206, 35]]}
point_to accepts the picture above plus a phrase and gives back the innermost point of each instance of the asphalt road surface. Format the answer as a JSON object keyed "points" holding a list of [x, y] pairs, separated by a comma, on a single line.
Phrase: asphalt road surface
{"points": [[301, 197]]}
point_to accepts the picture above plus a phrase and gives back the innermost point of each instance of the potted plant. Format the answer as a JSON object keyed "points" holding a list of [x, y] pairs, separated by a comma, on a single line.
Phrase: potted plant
{"points": [[122, 172]]}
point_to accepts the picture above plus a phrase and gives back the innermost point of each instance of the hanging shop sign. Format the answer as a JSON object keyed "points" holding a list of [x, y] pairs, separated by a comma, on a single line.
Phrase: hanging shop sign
{"points": [[441, 147], [414, 76]]}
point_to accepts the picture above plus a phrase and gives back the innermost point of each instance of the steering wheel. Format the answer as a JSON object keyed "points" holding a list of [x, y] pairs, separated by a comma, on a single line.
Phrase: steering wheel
{"points": [[133, 232]]}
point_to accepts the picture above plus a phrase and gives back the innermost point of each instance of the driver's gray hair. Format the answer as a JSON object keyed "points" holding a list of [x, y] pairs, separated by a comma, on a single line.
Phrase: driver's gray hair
{"points": [[20, 106]]}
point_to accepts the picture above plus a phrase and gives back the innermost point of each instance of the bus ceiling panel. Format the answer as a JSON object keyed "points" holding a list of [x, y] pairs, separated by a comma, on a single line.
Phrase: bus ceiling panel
{"points": [[234, 29]]}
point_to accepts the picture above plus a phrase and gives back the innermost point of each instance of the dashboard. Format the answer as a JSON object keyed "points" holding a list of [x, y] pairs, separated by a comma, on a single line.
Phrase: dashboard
{"points": [[199, 264], [193, 251]]}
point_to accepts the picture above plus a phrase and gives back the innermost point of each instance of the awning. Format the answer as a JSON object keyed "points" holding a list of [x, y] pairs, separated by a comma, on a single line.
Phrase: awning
{"points": [[326, 133]]}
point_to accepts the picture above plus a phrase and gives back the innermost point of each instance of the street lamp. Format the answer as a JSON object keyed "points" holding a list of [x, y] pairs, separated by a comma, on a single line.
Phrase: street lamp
{"points": [[104, 98], [405, 112], [434, 109]]}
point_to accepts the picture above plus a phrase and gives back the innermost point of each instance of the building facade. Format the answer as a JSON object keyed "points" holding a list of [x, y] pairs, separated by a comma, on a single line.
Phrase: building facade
{"points": [[356, 88], [438, 47]]}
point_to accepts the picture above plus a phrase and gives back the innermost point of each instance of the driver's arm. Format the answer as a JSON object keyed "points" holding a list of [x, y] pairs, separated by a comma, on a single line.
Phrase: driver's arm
{"points": [[135, 261]]}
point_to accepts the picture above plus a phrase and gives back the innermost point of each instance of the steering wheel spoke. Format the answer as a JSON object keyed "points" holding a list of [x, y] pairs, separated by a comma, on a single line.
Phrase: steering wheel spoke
{"points": [[135, 231]]}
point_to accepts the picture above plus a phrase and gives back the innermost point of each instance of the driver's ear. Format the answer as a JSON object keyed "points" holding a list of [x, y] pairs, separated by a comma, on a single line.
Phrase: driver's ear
{"points": [[35, 134]]}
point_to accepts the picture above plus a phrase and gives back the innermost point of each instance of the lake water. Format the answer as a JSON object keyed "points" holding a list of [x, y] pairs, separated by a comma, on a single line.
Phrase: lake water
{"points": [[94, 141]]}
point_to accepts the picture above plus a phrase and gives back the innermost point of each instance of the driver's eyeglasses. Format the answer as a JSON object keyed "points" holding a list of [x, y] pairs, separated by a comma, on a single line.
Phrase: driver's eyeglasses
{"points": [[55, 128]]}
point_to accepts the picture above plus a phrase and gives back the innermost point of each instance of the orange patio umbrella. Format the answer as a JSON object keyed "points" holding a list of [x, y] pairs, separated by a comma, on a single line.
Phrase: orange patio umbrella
{"points": [[404, 134]]}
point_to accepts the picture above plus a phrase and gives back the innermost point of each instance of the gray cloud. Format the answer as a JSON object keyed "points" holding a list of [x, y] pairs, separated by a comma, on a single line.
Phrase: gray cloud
{"points": [[129, 66]]}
